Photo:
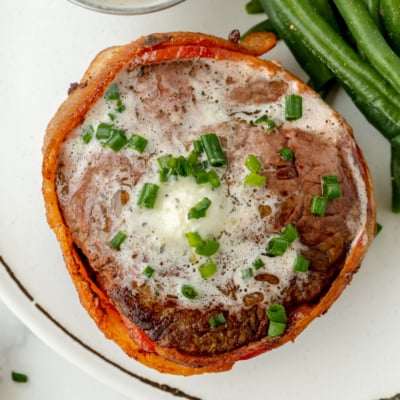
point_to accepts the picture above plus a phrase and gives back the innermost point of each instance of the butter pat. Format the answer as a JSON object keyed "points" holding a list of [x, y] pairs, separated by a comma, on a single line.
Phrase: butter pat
{"points": [[169, 216]]}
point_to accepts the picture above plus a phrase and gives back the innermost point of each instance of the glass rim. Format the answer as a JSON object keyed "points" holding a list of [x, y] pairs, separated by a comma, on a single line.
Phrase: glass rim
{"points": [[128, 9]]}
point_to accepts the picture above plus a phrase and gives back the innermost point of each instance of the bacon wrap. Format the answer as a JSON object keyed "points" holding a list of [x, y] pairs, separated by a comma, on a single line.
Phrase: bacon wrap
{"points": [[101, 72]]}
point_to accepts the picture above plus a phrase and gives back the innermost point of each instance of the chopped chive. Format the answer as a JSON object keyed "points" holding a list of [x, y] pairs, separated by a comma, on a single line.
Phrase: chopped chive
{"points": [[204, 247], [252, 163], [121, 107], [193, 158], [171, 166], [200, 209], [277, 313], [148, 271], [199, 173], [277, 246], [148, 195], [111, 116], [117, 140], [199, 167], [163, 175], [293, 107], [87, 134], [213, 149], [286, 154], [318, 205], [167, 165], [331, 190], [331, 187], [117, 240], [289, 233], [276, 329], [266, 122], [112, 92], [208, 269], [330, 178], [194, 239], [103, 131], [216, 320], [254, 179], [137, 142], [208, 247], [277, 320], [166, 162], [247, 273], [213, 179], [182, 166], [204, 165], [201, 177], [197, 146], [19, 377], [189, 292], [301, 264], [259, 263]]}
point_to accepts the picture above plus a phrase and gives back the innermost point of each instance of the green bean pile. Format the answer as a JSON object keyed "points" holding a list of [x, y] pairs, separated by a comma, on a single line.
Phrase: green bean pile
{"points": [[353, 42]]}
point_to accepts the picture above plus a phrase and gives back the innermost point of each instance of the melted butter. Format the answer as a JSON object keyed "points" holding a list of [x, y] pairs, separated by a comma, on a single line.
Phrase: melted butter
{"points": [[156, 237], [176, 198], [168, 220]]}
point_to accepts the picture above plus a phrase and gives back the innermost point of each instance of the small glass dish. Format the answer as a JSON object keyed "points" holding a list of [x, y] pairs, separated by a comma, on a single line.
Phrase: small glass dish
{"points": [[126, 7]]}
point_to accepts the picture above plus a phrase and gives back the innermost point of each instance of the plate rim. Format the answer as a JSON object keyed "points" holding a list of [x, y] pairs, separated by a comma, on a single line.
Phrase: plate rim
{"points": [[22, 303]]}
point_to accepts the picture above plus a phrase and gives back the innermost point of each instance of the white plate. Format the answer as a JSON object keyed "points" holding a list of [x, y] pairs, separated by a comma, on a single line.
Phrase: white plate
{"points": [[351, 353]]}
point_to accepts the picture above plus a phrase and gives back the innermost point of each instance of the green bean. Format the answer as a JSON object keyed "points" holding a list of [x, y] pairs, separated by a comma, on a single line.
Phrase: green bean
{"points": [[318, 73], [390, 12], [367, 88], [254, 7], [374, 10], [323, 7], [395, 176], [370, 40], [325, 10], [321, 79]]}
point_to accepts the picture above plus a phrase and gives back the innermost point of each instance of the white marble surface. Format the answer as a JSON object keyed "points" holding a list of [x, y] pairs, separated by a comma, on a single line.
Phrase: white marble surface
{"points": [[50, 376]]}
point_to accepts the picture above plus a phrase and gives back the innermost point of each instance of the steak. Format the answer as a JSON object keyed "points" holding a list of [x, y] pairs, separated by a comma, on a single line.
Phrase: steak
{"points": [[174, 103]]}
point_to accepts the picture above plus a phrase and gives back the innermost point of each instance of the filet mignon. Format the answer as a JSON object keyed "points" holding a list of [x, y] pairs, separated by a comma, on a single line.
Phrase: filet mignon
{"points": [[189, 308]]}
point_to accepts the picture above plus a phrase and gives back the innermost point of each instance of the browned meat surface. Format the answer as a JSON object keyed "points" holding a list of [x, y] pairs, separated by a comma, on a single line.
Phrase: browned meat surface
{"points": [[89, 213]]}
